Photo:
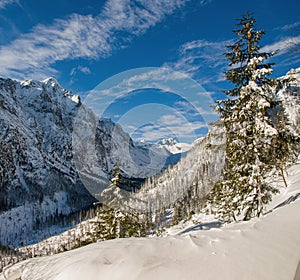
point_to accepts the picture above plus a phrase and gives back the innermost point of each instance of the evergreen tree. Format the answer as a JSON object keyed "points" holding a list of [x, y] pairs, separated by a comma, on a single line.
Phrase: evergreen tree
{"points": [[253, 138], [114, 196], [111, 224], [103, 228], [113, 220]]}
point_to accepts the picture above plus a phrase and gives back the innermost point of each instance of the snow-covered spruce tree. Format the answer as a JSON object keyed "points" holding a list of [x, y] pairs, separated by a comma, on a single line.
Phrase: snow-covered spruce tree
{"points": [[252, 136], [112, 220], [104, 227], [114, 195], [112, 223]]}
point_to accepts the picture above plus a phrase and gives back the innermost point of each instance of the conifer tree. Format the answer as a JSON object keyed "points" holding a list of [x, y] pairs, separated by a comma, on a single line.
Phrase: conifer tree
{"points": [[111, 223], [114, 195], [253, 139], [113, 220]]}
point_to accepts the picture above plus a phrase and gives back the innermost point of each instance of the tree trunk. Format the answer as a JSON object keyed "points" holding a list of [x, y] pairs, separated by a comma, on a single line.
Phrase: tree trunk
{"points": [[283, 177]]}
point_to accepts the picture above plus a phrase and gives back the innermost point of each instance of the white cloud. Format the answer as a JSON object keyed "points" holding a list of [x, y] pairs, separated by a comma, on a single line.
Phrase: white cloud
{"points": [[283, 46], [81, 36], [4, 3], [174, 126], [205, 2], [290, 26], [80, 68], [202, 60], [182, 125], [84, 70]]}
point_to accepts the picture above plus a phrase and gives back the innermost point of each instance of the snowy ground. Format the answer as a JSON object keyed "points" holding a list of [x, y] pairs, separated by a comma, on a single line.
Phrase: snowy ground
{"points": [[265, 248]]}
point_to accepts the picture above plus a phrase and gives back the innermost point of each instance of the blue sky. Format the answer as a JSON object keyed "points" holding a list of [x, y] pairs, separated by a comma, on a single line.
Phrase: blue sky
{"points": [[83, 43]]}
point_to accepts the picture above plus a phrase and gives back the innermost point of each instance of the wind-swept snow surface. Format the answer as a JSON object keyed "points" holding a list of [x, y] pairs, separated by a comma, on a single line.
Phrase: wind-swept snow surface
{"points": [[265, 248]]}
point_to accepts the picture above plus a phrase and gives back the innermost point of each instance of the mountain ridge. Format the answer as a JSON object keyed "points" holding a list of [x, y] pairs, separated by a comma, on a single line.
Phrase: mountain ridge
{"points": [[39, 177]]}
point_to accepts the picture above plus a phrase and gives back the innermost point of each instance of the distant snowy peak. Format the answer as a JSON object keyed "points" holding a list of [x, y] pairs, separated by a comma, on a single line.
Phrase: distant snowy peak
{"points": [[172, 146], [167, 141], [167, 145], [294, 73], [143, 142]]}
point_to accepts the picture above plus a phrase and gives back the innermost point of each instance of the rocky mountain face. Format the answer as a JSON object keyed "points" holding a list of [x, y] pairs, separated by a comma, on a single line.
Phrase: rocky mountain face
{"points": [[38, 178], [42, 174], [36, 153]]}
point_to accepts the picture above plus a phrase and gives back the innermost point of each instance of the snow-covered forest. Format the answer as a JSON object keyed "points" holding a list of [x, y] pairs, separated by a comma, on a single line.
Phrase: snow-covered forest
{"points": [[263, 248]]}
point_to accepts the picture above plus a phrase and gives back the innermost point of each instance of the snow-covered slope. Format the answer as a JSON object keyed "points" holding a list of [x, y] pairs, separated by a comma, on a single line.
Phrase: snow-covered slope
{"points": [[291, 98], [196, 172], [262, 249]]}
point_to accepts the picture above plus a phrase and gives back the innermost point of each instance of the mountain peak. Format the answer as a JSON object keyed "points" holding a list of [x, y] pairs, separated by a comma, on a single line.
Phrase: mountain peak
{"points": [[28, 83], [168, 141], [172, 146], [51, 82]]}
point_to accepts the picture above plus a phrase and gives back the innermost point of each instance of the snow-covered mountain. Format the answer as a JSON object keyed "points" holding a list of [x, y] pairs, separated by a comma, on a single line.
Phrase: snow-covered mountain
{"points": [[194, 173], [36, 125], [43, 174], [168, 144], [171, 145], [38, 179], [291, 98], [168, 150]]}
